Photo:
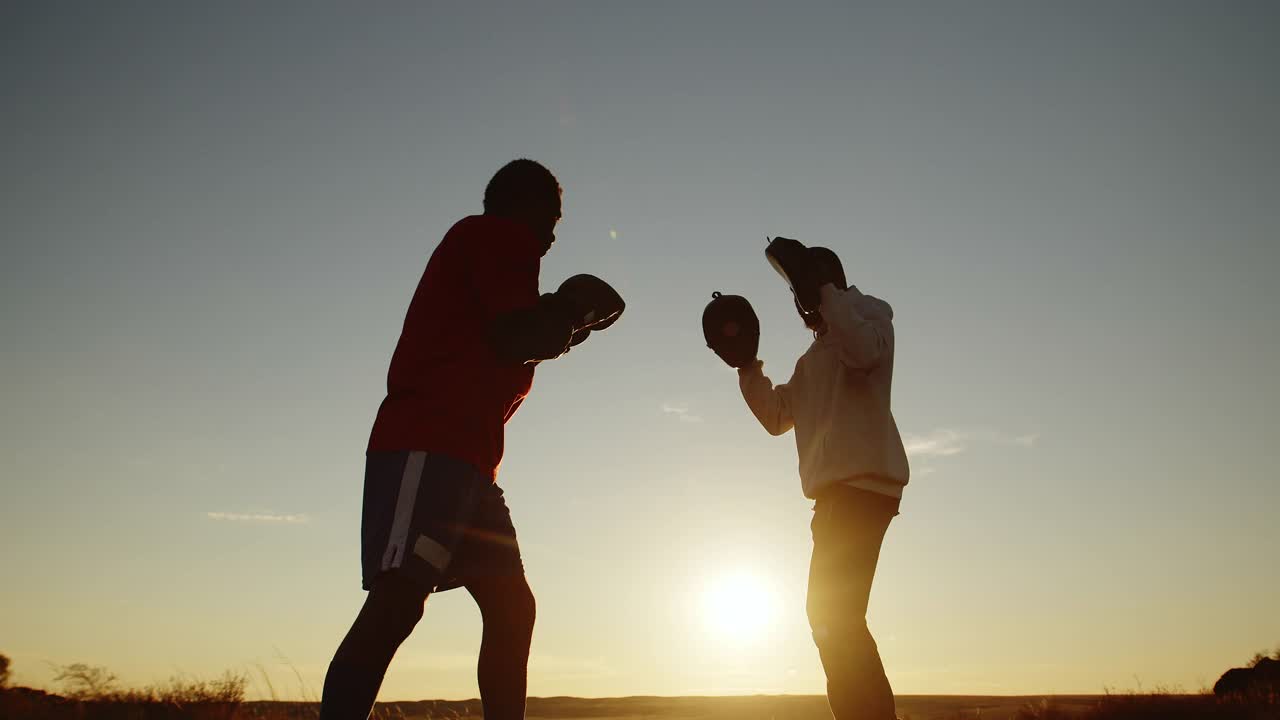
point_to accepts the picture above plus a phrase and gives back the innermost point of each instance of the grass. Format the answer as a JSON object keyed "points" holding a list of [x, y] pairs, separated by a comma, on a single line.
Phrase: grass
{"points": [[1162, 706], [218, 700], [94, 693]]}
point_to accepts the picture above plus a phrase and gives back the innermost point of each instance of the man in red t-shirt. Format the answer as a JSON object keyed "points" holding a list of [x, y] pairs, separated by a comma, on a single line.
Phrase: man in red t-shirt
{"points": [[434, 518]]}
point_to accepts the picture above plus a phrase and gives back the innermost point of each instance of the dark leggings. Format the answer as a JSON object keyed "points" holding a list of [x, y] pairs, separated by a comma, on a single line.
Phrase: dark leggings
{"points": [[848, 528], [391, 611]]}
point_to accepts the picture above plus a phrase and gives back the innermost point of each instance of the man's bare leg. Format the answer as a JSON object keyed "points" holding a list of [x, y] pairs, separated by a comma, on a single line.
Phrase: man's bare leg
{"points": [[507, 606], [390, 612]]}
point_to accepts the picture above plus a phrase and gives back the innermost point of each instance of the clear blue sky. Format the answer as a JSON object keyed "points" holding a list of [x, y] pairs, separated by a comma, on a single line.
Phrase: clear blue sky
{"points": [[212, 218]]}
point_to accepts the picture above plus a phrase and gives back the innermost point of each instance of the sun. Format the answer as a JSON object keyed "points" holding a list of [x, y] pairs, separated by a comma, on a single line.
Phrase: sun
{"points": [[738, 606]]}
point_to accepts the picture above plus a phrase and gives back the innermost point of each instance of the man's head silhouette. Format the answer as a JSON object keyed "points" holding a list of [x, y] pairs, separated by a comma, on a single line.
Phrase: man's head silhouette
{"points": [[526, 191]]}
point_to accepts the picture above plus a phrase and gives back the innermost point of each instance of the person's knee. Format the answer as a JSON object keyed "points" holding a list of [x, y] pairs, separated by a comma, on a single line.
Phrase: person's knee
{"points": [[842, 633], [390, 612], [397, 604], [507, 605], [522, 609]]}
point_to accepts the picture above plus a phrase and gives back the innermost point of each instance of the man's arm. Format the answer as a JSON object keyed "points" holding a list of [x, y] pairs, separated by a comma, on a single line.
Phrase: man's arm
{"points": [[541, 331], [768, 403], [548, 327], [862, 341]]}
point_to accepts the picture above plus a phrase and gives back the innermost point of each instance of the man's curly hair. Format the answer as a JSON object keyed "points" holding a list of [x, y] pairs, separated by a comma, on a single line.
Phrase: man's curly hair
{"points": [[520, 183]]}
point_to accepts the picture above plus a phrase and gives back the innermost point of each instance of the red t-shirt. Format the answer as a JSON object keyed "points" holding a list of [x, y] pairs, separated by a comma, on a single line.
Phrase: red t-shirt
{"points": [[446, 390]]}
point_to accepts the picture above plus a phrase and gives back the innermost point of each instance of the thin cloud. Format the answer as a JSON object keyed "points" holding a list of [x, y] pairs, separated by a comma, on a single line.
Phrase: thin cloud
{"points": [[939, 443], [1025, 440], [945, 442], [996, 437], [680, 412], [288, 519]]}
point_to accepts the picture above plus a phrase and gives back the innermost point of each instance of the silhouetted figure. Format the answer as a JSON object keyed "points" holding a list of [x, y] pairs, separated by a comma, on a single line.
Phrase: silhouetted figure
{"points": [[852, 462], [434, 518]]}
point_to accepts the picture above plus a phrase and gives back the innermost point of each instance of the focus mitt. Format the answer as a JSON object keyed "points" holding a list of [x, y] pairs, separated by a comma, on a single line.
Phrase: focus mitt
{"points": [[731, 329]]}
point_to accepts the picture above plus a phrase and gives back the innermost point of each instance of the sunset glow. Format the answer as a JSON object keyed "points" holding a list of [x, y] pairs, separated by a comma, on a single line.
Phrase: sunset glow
{"points": [[738, 607]]}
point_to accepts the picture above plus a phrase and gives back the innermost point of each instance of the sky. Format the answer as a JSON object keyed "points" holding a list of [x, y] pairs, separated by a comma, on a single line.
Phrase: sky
{"points": [[212, 217]]}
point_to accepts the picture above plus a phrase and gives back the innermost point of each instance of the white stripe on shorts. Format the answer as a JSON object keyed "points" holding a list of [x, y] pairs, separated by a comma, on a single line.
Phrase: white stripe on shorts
{"points": [[409, 483], [433, 552]]}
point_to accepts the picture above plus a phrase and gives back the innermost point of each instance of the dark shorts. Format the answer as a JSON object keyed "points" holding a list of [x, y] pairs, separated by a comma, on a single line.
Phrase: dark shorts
{"points": [[435, 520]]}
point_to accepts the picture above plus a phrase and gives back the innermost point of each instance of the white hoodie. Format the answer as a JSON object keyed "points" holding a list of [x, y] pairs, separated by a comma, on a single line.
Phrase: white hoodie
{"points": [[838, 399]]}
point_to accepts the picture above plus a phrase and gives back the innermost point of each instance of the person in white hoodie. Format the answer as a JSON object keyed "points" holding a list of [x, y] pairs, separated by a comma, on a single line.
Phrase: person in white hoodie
{"points": [[852, 461]]}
